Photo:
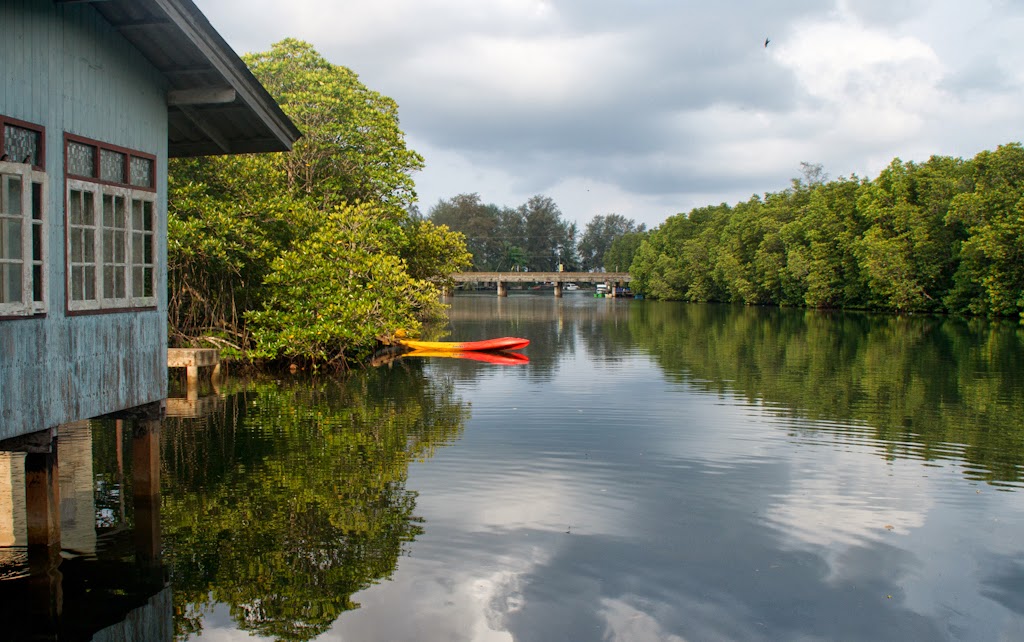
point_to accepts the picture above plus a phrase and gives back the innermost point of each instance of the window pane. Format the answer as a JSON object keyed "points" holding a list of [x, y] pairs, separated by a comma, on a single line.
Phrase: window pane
{"points": [[10, 282], [142, 172], [112, 166], [81, 159], [108, 283], [89, 245], [12, 196], [37, 283], [119, 248], [88, 209], [77, 243], [147, 218], [138, 251], [90, 282], [136, 214], [10, 239], [138, 287], [148, 291], [37, 242], [108, 210], [37, 201], [77, 280], [22, 145]]}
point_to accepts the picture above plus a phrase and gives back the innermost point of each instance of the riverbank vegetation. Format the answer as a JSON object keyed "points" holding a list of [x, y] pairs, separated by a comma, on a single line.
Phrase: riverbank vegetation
{"points": [[534, 237], [944, 236], [305, 257]]}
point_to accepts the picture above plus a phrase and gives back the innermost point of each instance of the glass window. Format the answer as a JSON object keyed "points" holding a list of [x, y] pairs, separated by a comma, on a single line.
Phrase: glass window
{"points": [[22, 239], [111, 247], [81, 159], [112, 166], [23, 145], [111, 240], [141, 172]]}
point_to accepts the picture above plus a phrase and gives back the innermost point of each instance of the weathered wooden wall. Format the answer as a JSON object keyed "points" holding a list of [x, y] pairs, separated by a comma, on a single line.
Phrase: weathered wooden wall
{"points": [[66, 69]]}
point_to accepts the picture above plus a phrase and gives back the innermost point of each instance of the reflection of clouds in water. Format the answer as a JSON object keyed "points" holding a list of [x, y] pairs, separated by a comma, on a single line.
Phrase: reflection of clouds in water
{"points": [[850, 499], [628, 624], [450, 603], [534, 499]]}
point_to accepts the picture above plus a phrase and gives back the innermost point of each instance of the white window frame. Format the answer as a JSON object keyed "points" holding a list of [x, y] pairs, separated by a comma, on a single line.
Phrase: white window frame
{"points": [[119, 257], [29, 176]]}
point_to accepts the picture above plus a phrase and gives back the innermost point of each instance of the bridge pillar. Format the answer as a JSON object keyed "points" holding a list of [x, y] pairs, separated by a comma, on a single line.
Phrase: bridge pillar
{"points": [[502, 289], [558, 289]]}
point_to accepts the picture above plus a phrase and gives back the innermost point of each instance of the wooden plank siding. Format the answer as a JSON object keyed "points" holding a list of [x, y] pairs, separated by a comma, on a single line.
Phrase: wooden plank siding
{"points": [[68, 70]]}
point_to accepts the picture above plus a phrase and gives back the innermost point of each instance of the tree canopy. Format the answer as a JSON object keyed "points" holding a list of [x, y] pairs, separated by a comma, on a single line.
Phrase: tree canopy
{"points": [[306, 255], [946, 235]]}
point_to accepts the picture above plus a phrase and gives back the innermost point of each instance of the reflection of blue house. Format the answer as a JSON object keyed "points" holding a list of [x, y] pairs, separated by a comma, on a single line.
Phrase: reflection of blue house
{"points": [[94, 98]]}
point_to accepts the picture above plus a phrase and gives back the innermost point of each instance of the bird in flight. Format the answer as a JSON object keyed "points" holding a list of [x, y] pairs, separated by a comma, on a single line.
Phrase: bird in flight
{"points": [[766, 41]]}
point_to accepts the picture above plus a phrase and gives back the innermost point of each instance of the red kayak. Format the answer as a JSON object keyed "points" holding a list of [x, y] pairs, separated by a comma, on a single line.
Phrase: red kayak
{"points": [[488, 345]]}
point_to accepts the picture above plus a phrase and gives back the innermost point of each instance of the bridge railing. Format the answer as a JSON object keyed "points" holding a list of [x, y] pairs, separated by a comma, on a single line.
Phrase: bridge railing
{"points": [[542, 277]]}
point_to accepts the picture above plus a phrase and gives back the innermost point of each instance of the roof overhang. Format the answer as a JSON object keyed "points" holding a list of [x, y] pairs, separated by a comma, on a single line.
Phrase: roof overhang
{"points": [[214, 105]]}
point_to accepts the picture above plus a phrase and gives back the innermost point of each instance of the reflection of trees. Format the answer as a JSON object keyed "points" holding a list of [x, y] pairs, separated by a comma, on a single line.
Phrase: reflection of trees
{"points": [[926, 387], [295, 497], [555, 327]]}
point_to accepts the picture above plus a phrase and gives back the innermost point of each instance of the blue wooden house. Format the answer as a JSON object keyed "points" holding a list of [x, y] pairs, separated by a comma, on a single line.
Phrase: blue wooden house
{"points": [[95, 96]]}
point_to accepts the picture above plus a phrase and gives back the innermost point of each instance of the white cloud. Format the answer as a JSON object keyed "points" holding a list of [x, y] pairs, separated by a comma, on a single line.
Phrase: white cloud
{"points": [[661, 107]]}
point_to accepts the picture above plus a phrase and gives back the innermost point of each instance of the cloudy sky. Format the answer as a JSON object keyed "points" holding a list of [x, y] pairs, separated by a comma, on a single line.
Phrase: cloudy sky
{"points": [[652, 107]]}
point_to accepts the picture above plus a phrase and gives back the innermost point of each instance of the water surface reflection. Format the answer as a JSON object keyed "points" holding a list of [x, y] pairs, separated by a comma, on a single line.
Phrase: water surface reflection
{"points": [[654, 471]]}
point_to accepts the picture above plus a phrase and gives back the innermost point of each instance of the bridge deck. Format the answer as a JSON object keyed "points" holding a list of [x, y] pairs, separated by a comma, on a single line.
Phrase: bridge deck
{"points": [[537, 277]]}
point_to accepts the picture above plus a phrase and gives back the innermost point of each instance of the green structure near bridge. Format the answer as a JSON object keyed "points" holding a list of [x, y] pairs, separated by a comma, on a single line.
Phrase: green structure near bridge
{"points": [[610, 280]]}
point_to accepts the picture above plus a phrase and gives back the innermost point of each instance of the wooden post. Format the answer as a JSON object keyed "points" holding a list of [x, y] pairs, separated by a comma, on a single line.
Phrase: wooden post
{"points": [[502, 289], [146, 486], [42, 499], [558, 289]]}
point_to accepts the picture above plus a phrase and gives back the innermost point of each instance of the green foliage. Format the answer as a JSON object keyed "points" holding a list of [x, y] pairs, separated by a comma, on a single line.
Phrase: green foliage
{"points": [[351, 147], [333, 293], [600, 235], [620, 253], [532, 236], [309, 255], [990, 276], [467, 214], [946, 235]]}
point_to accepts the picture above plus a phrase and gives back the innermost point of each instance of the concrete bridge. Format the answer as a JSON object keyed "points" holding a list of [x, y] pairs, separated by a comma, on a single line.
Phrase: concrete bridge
{"points": [[502, 279]]}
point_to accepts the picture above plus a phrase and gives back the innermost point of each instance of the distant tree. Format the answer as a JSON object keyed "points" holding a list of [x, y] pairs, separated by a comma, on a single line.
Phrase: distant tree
{"points": [[480, 223], [599, 235], [546, 232], [620, 255], [814, 174]]}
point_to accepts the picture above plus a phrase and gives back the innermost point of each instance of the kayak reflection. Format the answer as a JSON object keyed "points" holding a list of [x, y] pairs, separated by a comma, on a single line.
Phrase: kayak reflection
{"points": [[497, 357]]}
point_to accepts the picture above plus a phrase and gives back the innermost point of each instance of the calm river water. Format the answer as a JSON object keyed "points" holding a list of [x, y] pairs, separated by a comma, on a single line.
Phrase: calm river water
{"points": [[656, 471]]}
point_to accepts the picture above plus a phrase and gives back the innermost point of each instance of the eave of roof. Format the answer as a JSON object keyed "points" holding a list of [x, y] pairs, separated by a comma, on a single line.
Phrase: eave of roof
{"points": [[215, 104]]}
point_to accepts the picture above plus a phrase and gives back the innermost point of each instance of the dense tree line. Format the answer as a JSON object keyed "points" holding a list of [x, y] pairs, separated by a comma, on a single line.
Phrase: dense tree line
{"points": [[534, 237], [309, 255], [946, 235]]}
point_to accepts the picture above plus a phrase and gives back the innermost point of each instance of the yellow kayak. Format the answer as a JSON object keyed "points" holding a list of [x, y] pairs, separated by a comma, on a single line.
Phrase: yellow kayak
{"points": [[504, 343]]}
